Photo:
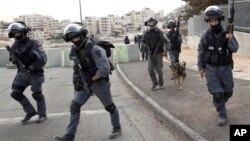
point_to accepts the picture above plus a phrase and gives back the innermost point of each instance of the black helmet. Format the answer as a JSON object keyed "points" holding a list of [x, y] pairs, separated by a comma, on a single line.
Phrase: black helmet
{"points": [[73, 30], [152, 22], [17, 27], [213, 12], [171, 23]]}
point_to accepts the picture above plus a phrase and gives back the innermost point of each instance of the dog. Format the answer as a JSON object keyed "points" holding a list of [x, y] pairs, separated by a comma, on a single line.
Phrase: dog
{"points": [[179, 73]]}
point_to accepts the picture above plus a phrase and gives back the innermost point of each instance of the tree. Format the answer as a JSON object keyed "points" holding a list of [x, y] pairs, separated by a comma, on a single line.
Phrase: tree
{"points": [[196, 6]]}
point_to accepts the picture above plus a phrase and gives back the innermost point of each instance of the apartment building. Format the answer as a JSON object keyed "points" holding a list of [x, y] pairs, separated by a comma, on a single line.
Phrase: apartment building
{"points": [[43, 27], [135, 20], [91, 24], [106, 24], [46, 27]]}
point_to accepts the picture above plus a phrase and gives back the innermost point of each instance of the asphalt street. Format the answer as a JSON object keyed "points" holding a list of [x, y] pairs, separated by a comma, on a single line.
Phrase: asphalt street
{"points": [[138, 123]]}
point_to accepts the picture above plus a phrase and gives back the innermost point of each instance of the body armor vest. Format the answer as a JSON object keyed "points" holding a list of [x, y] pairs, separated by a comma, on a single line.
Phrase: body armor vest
{"points": [[216, 50], [153, 41], [85, 56], [22, 50], [175, 44]]}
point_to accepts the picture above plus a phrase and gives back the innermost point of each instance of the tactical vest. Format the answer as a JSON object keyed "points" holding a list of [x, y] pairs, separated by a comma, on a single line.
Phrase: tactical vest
{"points": [[22, 50], [87, 63], [175, 44], [216, 50], [153, 41]]}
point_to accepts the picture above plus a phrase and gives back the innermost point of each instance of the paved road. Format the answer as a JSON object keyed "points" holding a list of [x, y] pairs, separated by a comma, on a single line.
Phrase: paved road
{"points": [[138, 123]]}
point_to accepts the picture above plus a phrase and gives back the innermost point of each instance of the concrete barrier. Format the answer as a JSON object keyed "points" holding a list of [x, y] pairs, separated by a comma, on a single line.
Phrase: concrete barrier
{"points": [[4, 57], [54, 57], [65, 58], [126, 53], [59, 57]]}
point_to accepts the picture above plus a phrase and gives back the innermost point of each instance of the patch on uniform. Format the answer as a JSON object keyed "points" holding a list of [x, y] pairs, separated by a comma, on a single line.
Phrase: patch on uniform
{"points": [[98, 53]]}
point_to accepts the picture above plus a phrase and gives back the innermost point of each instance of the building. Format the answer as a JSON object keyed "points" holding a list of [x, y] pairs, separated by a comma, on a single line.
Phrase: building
{"points": [[91, 24], [46, 27], [43, 27], [106, 24]]}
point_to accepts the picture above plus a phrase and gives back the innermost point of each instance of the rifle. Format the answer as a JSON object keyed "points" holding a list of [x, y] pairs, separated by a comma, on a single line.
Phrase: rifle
{"points": [[79, 67], [177, 27], [230, 25], [18, 63], [178, 24]]}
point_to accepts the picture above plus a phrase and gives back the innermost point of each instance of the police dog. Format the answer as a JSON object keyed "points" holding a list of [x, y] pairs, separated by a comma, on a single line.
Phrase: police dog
{"points": [[179, 73]]}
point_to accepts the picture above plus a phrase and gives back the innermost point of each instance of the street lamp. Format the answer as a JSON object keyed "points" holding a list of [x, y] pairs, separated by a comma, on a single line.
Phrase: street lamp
{"points": [[80, 5], [142, 18]]}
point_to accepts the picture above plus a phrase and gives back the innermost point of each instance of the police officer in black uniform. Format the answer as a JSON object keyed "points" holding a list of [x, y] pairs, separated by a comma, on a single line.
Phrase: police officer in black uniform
{"points": [[215, 60], [31, 54], [156, 43], [96, 68], [175, 40]]}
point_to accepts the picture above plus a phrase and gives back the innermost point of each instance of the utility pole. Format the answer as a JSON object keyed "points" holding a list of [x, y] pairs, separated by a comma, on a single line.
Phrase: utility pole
{"points": [[80, 5]]}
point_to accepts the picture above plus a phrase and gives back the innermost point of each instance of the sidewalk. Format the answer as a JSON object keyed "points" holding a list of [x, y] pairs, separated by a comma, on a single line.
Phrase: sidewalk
{"points": [[193, 105]]}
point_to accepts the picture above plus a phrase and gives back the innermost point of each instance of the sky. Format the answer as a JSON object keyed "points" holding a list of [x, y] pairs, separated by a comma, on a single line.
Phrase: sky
{"points": [[69, 9]]}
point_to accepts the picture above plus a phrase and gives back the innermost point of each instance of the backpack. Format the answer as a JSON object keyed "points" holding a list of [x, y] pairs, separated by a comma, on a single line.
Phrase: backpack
{"points": [[107, 47]]}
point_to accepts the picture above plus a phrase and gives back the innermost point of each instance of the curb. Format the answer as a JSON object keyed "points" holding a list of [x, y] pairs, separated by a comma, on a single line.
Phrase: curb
{"points": [[178, 128]]}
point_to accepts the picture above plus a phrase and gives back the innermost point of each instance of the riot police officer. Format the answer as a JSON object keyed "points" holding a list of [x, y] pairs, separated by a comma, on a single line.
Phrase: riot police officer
{"points": [[215, 60], [95, 66], [175, 39], [30, 59], [156, 43]]}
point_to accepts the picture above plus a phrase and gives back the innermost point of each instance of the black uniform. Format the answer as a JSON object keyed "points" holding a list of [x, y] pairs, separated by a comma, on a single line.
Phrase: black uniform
{"points": [[156, 43], [91, 61], [175, 49], [31, 54]]}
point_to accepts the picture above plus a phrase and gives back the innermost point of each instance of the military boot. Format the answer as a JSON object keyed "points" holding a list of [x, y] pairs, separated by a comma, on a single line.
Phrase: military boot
{"points": [[66, 137], [41, 118], [117, 131], [222, 121], [161, 87], [28, 117], [154, 86]]}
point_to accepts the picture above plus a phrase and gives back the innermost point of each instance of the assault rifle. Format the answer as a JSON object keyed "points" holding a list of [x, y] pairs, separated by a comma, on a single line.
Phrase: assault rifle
{"points": [[177, 31], [82, 75], [18, 63], [178, 25], [230, 25]]}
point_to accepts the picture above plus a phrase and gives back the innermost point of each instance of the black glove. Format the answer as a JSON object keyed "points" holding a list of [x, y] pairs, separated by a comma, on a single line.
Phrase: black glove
{"points": [[13, 60], [77, 82]]}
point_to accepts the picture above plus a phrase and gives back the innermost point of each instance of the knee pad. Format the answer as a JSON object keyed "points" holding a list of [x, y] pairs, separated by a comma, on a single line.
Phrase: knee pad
{"points": [[110, 108], [17, 95], [38, 96], [75, 107], [218, 97]]}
